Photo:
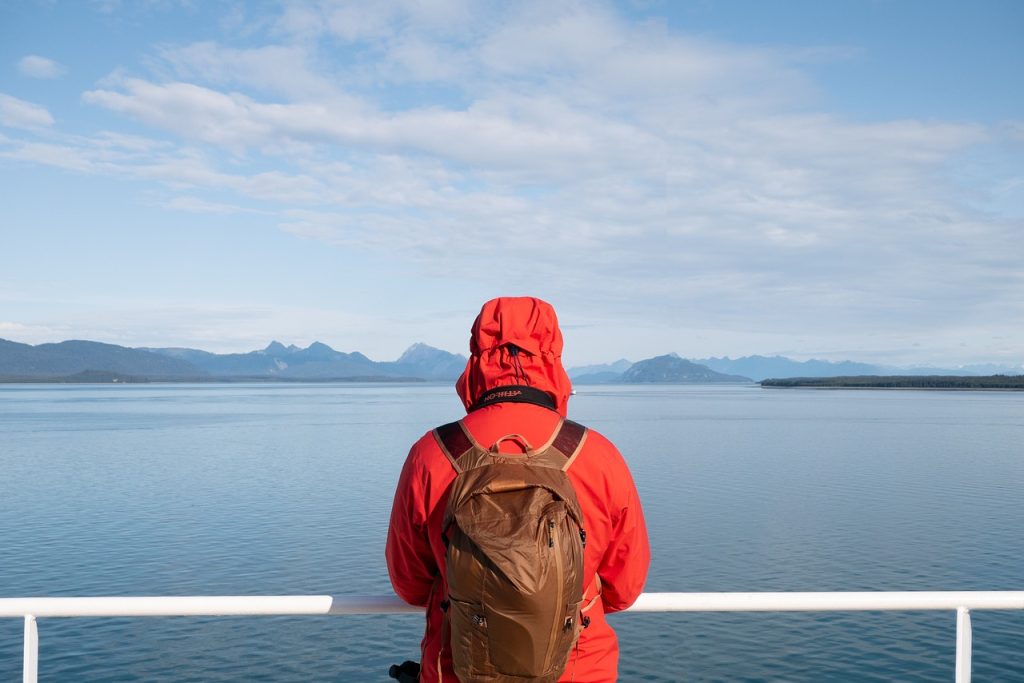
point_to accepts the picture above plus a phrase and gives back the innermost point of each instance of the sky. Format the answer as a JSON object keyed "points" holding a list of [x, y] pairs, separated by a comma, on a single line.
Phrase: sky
{"points": [[834, 180]]}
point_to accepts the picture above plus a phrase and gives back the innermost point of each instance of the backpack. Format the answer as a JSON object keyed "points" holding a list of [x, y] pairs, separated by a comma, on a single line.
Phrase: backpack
{"points": [[514, 535]]}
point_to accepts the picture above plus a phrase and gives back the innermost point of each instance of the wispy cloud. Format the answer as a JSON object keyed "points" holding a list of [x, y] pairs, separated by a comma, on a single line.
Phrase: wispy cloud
{"points": [[35, 66], [29, 333], [275, 69], [18, 113], [196, 205]]}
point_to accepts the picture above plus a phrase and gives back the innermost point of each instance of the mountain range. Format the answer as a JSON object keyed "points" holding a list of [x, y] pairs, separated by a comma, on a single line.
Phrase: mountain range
{"points": [[94, 361], [89, 361], [320, 361], [759, 368]]}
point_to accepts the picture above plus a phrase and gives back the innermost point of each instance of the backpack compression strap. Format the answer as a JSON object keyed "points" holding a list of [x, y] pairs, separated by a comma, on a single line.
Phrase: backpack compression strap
{"points": [[569, 441]]}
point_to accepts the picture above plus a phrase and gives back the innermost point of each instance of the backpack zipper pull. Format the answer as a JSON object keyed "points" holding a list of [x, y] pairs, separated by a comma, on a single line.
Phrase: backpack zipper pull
{"points": [[551, 533]]}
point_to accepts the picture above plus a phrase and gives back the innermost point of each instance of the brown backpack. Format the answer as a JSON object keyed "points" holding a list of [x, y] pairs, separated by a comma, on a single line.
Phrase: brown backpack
{"points": [[514, 536]]}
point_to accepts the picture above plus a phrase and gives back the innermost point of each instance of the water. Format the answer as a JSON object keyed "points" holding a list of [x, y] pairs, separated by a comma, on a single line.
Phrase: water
{"points": [[286, 489]]}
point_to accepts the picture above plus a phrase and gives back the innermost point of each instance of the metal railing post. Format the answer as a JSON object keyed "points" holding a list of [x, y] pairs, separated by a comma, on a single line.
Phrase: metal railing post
{"points": [[30, 668], [963, 645]]}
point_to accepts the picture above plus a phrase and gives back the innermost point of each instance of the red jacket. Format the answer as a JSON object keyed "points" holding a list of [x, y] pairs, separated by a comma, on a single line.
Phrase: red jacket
{"points": [[617, 550]]}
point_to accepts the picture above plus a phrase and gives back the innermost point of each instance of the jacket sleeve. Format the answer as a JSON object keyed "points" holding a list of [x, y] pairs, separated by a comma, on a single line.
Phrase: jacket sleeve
{"points": [[623, 567], [411, 565]]}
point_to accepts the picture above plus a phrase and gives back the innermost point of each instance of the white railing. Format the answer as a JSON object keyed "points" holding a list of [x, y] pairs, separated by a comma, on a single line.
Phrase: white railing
{"points": [[297, 605]]}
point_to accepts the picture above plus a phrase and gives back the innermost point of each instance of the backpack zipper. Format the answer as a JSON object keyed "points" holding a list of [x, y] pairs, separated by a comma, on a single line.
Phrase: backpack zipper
{"points": [[560, 574]]}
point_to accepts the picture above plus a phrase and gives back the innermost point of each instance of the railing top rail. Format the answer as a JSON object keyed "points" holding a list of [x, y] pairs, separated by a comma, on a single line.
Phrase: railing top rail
{"points": [[828, 601], [297, 605]]}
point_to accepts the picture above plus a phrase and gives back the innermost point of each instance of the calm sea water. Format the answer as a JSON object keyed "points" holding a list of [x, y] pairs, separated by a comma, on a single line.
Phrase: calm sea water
{"points": [[286, 489]]}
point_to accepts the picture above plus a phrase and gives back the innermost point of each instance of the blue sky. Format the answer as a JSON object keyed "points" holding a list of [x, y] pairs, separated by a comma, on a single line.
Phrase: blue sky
{"points": [[816, 179]]}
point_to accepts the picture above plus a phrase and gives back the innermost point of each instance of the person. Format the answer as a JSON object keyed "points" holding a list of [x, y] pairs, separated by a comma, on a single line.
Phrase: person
{"points": [[514, 382]]}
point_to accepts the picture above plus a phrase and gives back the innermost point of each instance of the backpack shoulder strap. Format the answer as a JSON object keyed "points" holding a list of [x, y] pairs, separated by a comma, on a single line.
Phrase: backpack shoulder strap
{"points": [[569, 441], [454, 442]]}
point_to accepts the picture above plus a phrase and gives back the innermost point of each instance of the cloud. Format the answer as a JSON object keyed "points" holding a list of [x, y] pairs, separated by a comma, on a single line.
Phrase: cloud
{"points": [[190, 110], [665, 175], [680, 207], [27, 333], [104, 152], [361, 22], [35, 66], [70, 158], [274, 69], [127, 143], [499, 134], [21, 114], [197, 205]]}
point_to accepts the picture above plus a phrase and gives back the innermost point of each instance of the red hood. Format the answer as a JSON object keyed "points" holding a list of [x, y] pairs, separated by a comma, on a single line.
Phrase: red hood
{"points": [[531, 325]]}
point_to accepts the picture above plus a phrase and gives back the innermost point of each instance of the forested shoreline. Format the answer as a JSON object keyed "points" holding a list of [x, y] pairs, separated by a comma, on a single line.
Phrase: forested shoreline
{"points": [[1011, 382]]}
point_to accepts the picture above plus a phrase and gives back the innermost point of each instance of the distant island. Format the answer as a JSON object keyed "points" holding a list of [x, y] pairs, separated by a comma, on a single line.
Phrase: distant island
{"points": [[672, 369], [1012, 382]]}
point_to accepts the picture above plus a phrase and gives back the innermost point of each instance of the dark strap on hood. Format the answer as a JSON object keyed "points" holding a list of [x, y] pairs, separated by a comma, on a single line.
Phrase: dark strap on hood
{"points": [[515, 393]]}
